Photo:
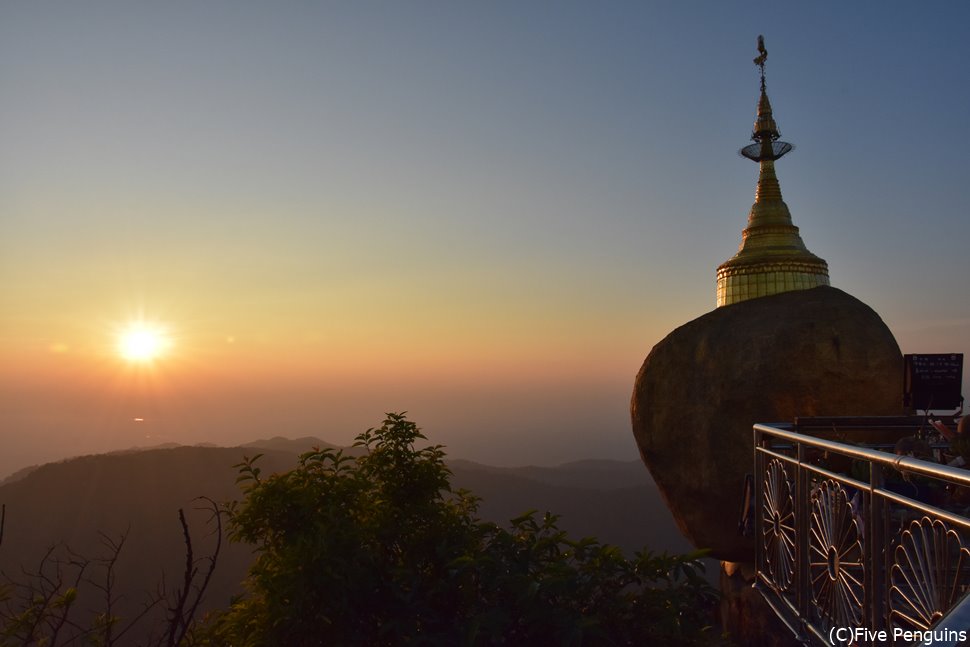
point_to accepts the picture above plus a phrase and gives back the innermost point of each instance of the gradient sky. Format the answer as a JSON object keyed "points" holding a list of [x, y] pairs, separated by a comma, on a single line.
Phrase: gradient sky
{"points": [[485, 214]]}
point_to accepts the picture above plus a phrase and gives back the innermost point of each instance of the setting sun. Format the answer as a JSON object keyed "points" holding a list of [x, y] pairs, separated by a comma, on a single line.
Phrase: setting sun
{"points": [[141, 342]]}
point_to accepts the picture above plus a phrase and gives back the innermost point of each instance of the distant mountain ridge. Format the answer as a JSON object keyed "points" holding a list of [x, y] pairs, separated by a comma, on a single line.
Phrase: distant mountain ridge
{"points": [[596, 474], [295, 445], [599, 473]]}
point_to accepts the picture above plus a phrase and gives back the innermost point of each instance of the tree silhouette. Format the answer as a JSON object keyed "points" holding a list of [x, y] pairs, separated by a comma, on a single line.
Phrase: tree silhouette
{"points": [[378, 549]]}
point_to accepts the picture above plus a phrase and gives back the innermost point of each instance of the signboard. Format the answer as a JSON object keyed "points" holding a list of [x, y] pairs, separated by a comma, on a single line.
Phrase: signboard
{"points": [[933, 381]]}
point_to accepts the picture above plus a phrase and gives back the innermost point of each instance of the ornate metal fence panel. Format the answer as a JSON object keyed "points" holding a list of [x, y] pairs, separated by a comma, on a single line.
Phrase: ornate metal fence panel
{"points": [[929, 574], [836, 568], [859, 546], [778, 526]]}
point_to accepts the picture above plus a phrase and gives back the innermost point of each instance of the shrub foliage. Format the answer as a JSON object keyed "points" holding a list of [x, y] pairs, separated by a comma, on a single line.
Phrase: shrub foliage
{"points": [[379, 549]]}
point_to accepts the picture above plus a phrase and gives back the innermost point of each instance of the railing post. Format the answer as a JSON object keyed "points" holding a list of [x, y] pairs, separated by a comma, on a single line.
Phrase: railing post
{"points": [[803, 576], [875, 548], [759, 470]]}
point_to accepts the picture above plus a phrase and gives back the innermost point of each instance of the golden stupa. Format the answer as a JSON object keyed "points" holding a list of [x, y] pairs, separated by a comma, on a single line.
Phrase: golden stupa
{"points": [[772, 257]]}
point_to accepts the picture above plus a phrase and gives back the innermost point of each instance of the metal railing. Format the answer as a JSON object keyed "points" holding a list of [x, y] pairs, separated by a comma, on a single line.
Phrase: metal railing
{"points": [[860, 546]]}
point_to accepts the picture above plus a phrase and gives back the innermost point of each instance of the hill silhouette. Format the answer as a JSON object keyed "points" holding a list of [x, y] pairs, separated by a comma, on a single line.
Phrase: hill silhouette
{"points": [[78, 502]]}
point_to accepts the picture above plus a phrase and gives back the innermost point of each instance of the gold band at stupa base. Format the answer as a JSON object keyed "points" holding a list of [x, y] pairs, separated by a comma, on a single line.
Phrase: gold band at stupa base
{"points": [[737, 283]]}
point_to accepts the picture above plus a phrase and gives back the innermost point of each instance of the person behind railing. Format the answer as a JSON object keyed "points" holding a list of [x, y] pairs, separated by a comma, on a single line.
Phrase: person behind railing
{"points": [[921, 489], [959, 441], [913, 447], [958, 455]]}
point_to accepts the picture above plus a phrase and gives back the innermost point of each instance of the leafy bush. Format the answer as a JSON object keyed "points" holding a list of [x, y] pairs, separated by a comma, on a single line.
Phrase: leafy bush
{"points": [[379, 550]]}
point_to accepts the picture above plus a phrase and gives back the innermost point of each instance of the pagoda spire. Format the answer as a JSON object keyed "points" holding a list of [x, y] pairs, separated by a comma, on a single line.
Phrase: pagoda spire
{"points": [[772, 257]]}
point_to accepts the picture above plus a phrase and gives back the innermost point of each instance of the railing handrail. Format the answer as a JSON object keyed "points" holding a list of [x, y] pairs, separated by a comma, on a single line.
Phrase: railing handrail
{"points": [[908, 463]]}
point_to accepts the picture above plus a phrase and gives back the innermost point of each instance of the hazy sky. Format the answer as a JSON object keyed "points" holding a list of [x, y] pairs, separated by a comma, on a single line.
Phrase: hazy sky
{"points": [[485, 214]]}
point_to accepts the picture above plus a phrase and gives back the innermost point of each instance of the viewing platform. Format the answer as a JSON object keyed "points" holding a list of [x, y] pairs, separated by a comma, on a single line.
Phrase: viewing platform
{"points": [[856, 544]]}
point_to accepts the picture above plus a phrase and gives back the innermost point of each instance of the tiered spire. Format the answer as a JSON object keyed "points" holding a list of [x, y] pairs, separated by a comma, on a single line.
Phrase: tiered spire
{"points": [[772, 257]]}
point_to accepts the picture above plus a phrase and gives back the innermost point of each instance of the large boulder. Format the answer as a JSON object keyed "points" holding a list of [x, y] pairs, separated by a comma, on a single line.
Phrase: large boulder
{"points": [[817, 352]]}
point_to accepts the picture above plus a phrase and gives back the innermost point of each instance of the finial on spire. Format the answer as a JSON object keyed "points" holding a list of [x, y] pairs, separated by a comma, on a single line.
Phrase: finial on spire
{"points": [[762, 57]]}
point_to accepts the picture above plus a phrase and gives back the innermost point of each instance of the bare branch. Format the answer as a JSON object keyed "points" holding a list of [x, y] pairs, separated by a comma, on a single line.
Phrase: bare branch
{"points": [[189, 596], [176, 617], [114, 548], [215, 514], [67, 602], [150, 604], [41, 605], [38, 599], [113, 630]]}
